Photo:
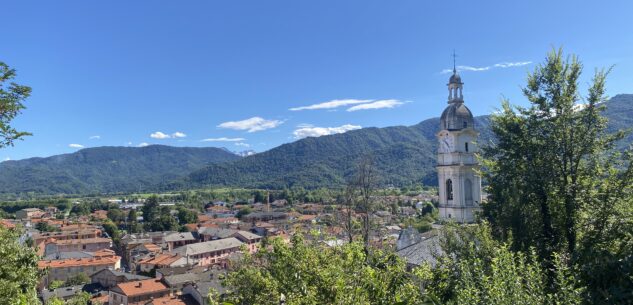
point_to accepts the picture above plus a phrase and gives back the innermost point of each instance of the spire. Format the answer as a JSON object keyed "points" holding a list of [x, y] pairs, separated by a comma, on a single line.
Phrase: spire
{"points": [[455, 84]]}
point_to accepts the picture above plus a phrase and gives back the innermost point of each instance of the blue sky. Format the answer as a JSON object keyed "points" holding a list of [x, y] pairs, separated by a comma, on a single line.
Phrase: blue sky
{"points": [[243, 74]]}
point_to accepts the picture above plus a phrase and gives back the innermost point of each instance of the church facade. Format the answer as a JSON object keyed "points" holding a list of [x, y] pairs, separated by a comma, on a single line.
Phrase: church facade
{"points": [[459, 183]]}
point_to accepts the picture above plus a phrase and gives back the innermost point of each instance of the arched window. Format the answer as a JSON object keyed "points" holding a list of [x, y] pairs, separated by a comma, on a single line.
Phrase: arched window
{"points": [[466, 146], [465, 124], [449, 189], [468, 191]]}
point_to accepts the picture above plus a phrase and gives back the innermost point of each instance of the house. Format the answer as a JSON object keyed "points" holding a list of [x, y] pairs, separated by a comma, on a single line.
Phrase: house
{"points": [[263, 228], [174, 300], [109, 278], [210, 252], [264, 216], [130, 241], [416, 248], [177, 282], [29, 213], [66, 234], [137, 292], [7, 224], [62, 293], [165, 260], [62, 270], [78, 254], [137, 252], [179, 239], [210, 233], [251, 240], [100, 214], [53, 245], [199, 291]]}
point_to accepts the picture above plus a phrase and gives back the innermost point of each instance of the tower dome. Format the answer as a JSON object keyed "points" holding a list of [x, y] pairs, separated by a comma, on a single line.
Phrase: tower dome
{"points": [[455, 78], [456, 116]]}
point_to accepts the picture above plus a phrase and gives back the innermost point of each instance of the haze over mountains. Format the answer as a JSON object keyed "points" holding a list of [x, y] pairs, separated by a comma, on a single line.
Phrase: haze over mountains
{"points": [[403, 155]]}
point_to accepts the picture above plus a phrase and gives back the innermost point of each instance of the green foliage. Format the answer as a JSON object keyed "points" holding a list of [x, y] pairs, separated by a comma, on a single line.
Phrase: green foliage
{"points": [[11, 97], [311, 273], [186, 216], [476, 269], [158, 218], [106, 169], [243, 212], [81, 298], [79, 279], [116, 215], [19, 274], [45, 227], [55, 284], [559, 184]]}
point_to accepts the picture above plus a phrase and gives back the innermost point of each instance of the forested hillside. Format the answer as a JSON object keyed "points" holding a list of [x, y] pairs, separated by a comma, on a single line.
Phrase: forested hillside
{"points": [[106, 169], [402, 155]]}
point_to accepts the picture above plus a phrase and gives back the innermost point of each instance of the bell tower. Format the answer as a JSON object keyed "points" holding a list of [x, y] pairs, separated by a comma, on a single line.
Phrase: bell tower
{"points": [[459, 183]]}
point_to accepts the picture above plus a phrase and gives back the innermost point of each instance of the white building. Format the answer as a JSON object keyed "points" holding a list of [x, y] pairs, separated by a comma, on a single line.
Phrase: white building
{"points": [[459, 184]]}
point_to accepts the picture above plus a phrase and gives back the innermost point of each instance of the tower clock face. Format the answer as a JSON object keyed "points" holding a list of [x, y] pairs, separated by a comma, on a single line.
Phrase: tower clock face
{"points": [[446, 143]]}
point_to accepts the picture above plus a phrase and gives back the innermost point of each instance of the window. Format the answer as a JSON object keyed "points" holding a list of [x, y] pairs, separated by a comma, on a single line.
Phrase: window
{"points": [[466, 146], [468, 191], [449, 189], [465, 124]]}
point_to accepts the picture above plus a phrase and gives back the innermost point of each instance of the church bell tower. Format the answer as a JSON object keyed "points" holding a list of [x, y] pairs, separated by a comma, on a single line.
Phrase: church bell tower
{"points": [[459, 184]]}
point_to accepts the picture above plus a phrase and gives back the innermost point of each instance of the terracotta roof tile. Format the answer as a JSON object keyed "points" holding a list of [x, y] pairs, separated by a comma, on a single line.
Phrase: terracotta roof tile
{"points": [[76, 262], [140, 287]]}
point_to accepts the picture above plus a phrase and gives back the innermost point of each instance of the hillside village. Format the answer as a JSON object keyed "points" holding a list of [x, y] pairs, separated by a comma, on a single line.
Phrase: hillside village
{"points": [[172, 267]]}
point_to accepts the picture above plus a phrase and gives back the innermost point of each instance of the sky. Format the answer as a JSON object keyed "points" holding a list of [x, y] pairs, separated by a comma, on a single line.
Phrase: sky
{"points": [[257, 74]]}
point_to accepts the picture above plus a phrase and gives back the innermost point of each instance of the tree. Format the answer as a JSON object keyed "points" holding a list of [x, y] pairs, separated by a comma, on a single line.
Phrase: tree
{"points": [[307, 272], [186, 216], [477, 269], [243, 212], [116, 215], [19, 273], [45, 227], [132, 216], [557, 184], [11, 97], [79, 279], [55, 284], [150, 209], [365, 184]]}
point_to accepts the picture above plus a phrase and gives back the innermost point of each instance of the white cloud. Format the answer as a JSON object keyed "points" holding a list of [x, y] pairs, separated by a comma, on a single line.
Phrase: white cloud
{"points": [[75, 146], [486, 68], [94, 137], [7, 159], [322, 131], [178, 134], [143, 144], [159, 135], [242, 144], [129, 143], [376, 105], [331, 104], [512, 64], [252, 125], [222, 139]]}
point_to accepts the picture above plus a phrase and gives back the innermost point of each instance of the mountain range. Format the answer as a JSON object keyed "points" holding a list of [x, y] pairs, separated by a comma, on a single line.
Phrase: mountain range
{"points": [[403, 155], [106, 169]]}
